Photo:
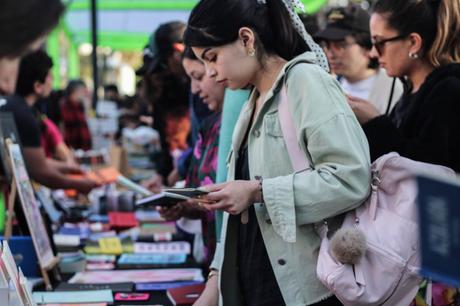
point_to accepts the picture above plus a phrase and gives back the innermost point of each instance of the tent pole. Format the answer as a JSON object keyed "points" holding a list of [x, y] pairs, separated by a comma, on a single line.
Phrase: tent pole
{"points": [[94, 54]]}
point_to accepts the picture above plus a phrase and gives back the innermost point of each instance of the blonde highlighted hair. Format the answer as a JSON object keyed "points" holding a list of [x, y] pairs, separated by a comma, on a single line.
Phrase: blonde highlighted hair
{"points": [[446, 45], [436, 21]]}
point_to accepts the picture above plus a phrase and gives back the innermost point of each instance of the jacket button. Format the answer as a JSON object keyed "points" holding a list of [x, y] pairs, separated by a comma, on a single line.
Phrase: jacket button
{"points": [[257, 133], [281, 262], [268, 221]]}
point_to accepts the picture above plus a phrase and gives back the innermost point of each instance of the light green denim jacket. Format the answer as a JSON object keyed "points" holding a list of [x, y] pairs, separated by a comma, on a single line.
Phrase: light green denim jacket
{"points": [[293, 202]]}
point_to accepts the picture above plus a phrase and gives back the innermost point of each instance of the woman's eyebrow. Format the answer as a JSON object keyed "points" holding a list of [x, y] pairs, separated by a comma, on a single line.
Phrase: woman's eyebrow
{"points": [[203, 54]]}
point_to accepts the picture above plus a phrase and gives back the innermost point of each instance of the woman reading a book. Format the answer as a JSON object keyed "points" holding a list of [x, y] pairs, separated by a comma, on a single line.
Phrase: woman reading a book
{"points": [[203, 165], [268, 249]]}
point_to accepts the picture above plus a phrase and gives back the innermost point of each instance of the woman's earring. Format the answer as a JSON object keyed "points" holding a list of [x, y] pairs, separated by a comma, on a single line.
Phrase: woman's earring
{"points": [[252, 52], [413, 55]]}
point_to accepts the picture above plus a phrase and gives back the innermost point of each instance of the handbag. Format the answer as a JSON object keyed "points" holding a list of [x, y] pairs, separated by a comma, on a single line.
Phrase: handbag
{"points": [[374, 258]]}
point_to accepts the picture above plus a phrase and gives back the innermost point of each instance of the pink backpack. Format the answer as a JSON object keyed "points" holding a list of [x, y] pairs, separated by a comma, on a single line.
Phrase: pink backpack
{"points": [[384, 269]]}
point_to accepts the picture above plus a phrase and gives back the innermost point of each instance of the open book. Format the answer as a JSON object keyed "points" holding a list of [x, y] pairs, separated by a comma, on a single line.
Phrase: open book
{"points": [[171, 196]]}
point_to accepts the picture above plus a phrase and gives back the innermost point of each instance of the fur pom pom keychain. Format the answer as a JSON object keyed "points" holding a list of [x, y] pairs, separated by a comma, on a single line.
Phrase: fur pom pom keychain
{"points": [[348, 245]]}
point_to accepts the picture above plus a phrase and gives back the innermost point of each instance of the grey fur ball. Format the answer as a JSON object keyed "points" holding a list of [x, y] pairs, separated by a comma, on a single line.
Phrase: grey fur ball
{"points": [[348, 245]]}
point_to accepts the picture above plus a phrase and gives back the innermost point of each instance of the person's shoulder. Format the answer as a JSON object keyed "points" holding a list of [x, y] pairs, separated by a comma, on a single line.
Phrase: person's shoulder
{"points": [[11, 103], [445, 76], [17, 105]]}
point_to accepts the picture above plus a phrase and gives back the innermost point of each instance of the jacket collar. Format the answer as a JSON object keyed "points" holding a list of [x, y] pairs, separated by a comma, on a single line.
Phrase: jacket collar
{"points": [[246, 113]]}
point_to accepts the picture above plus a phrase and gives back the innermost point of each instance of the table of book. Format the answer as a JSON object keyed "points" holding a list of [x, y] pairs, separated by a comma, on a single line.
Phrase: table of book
{"points": [[126, 252]]}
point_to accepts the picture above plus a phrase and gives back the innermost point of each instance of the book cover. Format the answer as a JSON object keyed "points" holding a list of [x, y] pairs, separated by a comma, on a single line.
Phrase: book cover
{"points": [[161, 199], [137, 276], [186, 295], [143, 260], [188, 192], [163, 286], [87, 296], [439, 210], [178, 247], [171, 196], [121, 220]]}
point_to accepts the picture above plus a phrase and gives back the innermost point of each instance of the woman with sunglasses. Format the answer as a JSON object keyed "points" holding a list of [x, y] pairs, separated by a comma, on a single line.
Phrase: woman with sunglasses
{"points": [[418, 41]]}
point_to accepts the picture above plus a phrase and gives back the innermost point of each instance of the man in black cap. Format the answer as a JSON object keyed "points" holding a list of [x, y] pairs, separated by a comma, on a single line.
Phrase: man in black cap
{"points": [[347, 43]]}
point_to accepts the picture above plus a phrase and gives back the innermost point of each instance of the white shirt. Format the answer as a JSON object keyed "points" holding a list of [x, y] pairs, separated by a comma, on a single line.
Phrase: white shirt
{"points": [[360, 89]]}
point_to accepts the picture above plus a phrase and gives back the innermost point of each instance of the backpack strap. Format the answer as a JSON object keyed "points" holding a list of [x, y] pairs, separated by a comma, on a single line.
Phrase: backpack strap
{"points": [[298, 158]]}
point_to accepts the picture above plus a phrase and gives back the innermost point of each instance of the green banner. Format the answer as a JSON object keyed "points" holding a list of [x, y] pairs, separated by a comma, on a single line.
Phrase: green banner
{"points": [[311, 6]]}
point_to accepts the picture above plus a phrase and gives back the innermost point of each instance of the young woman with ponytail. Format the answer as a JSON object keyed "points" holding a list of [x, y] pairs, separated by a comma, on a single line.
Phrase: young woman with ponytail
{"points": [[418, 41], [269, 247]]}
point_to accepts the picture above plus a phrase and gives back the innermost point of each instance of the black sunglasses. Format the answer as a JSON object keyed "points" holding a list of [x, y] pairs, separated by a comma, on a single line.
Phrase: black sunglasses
{"points": [[379, 44]]}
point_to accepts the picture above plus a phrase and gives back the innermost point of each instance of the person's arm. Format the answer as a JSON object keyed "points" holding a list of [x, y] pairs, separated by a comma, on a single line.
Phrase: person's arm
{"points": [[61, 150], [46, 172], [210, 294], [330, 133], [64, 154]]}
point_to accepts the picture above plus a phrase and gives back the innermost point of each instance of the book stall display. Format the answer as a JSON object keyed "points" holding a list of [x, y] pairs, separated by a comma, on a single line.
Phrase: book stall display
{"points": [[108, 248]]}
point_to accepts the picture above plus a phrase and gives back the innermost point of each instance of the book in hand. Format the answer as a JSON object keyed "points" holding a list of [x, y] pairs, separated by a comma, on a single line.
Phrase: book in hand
{"points": [[188, 192], [439, 211], [186, 295], [171, 196]]}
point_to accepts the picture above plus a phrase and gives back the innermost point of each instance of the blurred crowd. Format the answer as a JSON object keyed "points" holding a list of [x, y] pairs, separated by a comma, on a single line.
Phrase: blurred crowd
{"points": [[393, 74]]}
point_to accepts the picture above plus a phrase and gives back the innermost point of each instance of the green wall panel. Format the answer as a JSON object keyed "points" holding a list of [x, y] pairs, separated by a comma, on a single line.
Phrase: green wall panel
{"points": [[311, 5]]}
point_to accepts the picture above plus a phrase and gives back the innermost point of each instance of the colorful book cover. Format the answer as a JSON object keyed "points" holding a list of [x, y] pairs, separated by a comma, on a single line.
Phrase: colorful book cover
{"points": [[163, 286], [181, 247], [152, 259], [137, 276], [186, 295], [439, 210]]}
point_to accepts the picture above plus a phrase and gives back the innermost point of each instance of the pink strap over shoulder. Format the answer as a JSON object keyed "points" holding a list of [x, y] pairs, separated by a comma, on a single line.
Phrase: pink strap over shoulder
{"points": [[298, 158]]}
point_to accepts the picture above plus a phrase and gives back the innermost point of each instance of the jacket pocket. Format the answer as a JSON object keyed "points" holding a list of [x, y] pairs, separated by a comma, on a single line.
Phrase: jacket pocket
{"points": [[272, 125]]}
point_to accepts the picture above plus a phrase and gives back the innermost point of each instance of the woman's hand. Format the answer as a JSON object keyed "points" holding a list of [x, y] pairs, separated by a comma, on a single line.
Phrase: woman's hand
{"points": [[154, 184], [363, 109], [189, 209], [84, 186], [233, 197]]}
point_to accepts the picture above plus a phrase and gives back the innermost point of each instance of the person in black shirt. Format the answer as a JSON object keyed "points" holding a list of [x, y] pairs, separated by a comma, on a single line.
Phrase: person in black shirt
{"points": [[35, 82], [19, 37], [424, 124]]}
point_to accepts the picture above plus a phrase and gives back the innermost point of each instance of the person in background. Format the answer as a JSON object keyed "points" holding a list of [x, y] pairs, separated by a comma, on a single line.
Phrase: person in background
{"points": [[268, 249], [166, 87], [111, 94], [418, 41], [34, 85], [203, 164], [347, 42], [310, 22], [35, 81], [74, 124], [51, 106]]}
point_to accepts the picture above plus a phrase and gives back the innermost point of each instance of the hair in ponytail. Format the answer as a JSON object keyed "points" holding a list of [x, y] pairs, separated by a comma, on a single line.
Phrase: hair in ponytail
{"points": [[214, 23], [446, 45], [436, 21]]}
